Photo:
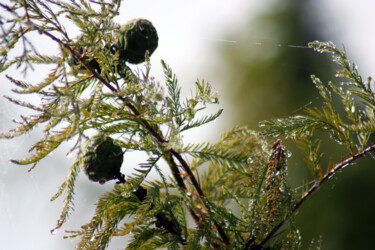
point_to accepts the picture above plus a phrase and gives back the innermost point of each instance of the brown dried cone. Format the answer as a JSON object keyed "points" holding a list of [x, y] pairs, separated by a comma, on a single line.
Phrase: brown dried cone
{"points": [[101, 159], [135, 38]]}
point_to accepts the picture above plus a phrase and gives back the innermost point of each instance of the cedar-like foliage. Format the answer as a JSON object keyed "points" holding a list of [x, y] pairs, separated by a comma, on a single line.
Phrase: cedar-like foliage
{"points": [[232, 194]]}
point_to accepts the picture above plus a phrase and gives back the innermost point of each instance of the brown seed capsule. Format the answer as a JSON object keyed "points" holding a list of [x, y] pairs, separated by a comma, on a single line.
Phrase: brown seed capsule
{"points": [[135, 38], [101, 159]]}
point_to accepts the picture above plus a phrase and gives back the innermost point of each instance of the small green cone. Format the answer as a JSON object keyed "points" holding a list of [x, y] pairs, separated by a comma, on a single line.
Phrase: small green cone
{"points": [[101, 159], [135, 38]]}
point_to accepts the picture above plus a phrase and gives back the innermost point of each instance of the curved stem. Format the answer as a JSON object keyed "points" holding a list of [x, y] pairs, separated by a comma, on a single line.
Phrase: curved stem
{"points": [[314, 188], [153, 131], [201, 195]]}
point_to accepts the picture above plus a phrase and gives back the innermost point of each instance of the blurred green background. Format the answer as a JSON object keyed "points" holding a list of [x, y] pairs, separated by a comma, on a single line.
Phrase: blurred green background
{"points": [[267, 75]]}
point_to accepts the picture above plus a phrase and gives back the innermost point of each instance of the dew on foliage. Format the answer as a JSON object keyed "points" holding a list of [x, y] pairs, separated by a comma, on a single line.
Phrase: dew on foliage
{"points": [[344, 165], [215, 100], [250, 160], [126, 195]]}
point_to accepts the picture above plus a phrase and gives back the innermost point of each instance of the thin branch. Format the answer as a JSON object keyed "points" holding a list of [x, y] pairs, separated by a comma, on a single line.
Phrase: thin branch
{"points": [[201, 195], [180, 182], [151, 129], [6, 7], [312, 190], [78, 56]]}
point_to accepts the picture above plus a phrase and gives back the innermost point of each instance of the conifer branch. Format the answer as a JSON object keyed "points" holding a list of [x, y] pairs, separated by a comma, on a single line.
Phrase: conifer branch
{"points": [[152, 130], [79, 57], [244, 170], [201, 195], [308, 194]]}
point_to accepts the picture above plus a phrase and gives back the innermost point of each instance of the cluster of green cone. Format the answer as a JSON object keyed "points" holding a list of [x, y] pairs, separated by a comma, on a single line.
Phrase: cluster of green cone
{"points": [[101, 158]]}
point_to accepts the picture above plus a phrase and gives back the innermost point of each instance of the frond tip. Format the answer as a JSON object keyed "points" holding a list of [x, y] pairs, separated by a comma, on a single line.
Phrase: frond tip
{"points": [[67, 188]]}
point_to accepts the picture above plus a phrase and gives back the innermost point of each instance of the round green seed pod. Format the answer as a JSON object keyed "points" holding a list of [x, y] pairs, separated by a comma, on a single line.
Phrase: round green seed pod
{"points": [[101, 159], [135, 38]]}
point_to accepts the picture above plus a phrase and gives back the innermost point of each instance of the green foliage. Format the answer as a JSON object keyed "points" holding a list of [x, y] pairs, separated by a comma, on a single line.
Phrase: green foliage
{"points": [[234, 192], [355, 128], [351, 128]]}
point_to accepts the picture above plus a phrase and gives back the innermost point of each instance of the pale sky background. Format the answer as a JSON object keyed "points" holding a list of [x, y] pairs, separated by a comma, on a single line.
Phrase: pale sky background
{"points": [[188, 32]]}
